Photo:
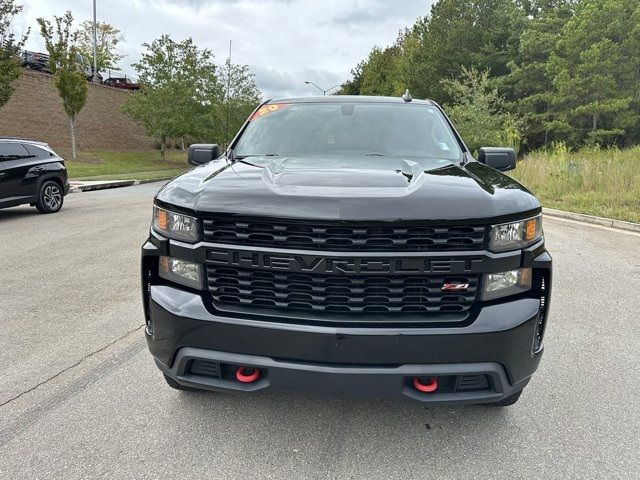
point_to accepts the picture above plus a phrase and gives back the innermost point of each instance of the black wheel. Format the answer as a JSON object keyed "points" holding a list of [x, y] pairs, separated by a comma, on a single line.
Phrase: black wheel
{"points": [[50, 197], [510, 400], [173, 384]]}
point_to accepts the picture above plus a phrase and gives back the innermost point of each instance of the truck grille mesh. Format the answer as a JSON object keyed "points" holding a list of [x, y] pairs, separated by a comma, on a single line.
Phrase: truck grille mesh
{"points": [[343, 236], [339, 293]]}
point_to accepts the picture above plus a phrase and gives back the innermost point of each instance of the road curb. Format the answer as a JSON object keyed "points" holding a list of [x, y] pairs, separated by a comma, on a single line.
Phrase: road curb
{"points": [[88, 187], [101, 186], [153, 180], [593, 220]]}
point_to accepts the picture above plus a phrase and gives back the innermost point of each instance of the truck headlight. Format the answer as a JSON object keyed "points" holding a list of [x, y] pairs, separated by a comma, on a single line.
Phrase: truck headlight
{"points": [[497, 285], [175, 225], [183, 272], [515, 235]]}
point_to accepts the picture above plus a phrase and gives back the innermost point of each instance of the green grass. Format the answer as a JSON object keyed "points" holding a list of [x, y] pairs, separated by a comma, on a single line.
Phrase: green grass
{"points": [[110, 165], [595, 181]]}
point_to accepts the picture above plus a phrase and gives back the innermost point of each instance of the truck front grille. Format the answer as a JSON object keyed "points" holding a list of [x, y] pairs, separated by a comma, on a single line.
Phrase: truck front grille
{"points": [[335, 293], [343, 236]]}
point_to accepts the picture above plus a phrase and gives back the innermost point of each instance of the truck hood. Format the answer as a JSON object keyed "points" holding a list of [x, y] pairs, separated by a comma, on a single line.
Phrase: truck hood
{"points": [[334, 189]]}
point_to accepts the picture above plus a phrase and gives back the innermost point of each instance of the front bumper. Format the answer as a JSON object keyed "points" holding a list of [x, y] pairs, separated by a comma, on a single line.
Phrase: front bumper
{"points": [[377, 382], [351, 361], [501, 344]]}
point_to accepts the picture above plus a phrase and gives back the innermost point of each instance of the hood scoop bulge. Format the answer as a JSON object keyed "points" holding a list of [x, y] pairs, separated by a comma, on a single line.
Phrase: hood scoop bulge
{"points": [[290, 176]]}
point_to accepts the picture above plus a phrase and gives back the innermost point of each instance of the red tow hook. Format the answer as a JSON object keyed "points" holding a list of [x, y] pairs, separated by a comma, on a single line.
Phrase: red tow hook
{"points": [[243, 376], [429, 387]]}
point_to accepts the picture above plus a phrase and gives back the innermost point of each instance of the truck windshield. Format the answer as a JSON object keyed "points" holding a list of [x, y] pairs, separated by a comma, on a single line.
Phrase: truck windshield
{"points": [[361, 129]]}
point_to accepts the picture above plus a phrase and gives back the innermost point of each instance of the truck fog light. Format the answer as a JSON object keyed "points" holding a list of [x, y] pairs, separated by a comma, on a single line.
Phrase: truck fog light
{"points": [[181, 271], [497, 285]]}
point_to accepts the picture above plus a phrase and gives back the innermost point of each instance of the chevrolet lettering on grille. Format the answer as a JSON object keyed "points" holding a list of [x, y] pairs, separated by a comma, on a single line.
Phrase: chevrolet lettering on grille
{"points": [[339, 265]]}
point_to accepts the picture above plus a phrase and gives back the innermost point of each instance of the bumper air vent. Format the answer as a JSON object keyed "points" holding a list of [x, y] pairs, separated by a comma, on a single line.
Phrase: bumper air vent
{"points": [[542, 313], [472, 382], [205, 367]]}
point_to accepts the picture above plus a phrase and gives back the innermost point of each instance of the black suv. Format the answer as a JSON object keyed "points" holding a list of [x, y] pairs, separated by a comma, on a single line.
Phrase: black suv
{"points": [[31, 172], [348, 245]]}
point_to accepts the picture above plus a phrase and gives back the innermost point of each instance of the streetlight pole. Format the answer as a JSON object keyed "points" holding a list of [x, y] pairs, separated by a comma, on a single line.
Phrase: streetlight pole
{"points": [[95, 46], [324, 92]]}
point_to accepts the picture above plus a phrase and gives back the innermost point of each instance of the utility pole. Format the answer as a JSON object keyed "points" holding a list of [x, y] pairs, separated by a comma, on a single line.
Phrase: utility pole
{"points": [[94, 78]]}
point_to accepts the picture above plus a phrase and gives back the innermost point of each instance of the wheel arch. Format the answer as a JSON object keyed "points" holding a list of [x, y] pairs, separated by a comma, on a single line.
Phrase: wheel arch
{"points": [[49, 176]]}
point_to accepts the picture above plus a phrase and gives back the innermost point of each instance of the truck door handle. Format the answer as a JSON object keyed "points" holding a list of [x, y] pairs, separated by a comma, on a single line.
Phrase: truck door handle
{"points": [[3, 174]]}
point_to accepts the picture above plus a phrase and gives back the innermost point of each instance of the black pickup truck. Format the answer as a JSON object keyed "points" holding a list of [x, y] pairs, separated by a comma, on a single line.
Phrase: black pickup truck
{"points": [[348, 245]]}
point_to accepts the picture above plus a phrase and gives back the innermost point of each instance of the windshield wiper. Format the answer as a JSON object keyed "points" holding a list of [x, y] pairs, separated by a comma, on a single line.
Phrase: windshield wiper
{"points": [[242, 157], [375, 154]]}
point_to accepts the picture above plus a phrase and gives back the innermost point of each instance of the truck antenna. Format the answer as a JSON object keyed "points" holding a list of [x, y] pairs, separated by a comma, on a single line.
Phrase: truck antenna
{"points": [[226, 123]]}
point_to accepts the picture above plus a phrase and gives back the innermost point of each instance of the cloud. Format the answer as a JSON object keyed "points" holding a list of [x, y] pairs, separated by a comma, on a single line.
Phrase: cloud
{"points": [[282, 83], [285, 42]]}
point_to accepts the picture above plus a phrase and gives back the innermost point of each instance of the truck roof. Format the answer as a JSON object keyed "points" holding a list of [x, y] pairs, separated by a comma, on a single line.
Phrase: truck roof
{"points": [[348, 99]]}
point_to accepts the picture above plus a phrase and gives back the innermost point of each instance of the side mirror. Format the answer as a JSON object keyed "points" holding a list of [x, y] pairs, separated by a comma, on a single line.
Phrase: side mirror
{"points": [[502, 159], [200, 153]]}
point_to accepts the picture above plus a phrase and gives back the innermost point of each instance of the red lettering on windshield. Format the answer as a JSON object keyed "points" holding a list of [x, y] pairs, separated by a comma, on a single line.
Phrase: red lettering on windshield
{"points": [[267, 109]]}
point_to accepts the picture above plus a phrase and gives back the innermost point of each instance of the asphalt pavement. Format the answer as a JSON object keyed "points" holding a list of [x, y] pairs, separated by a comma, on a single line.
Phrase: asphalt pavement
{"points": [[80, 396]]}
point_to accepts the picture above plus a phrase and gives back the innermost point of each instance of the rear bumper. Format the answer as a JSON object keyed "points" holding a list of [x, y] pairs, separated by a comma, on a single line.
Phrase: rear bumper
{"points": [[376, 362]]}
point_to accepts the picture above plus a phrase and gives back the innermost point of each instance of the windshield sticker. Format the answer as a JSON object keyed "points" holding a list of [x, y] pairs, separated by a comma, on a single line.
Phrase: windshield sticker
{"points": [[267, 109]]}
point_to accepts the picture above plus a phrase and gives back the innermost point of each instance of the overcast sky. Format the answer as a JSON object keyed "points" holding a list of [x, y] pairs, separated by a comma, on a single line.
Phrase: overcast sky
{"points": [[285, 42]]}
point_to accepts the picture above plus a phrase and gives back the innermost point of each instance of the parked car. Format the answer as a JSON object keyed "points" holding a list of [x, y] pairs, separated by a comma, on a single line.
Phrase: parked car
{"points": [[35, 61], [31, 172], [348, 245], [40, 62], [122, 82], [86, 66]]}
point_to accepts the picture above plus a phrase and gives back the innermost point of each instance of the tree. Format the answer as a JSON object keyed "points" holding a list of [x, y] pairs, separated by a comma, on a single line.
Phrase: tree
{"points": [[68, 77], [179, 88], [481, 34], [570, 69], [10, 47], [379, 75], [240, 96], [478, 113], [595, 69], [108, 38], [353, 86], [528, 89]]}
